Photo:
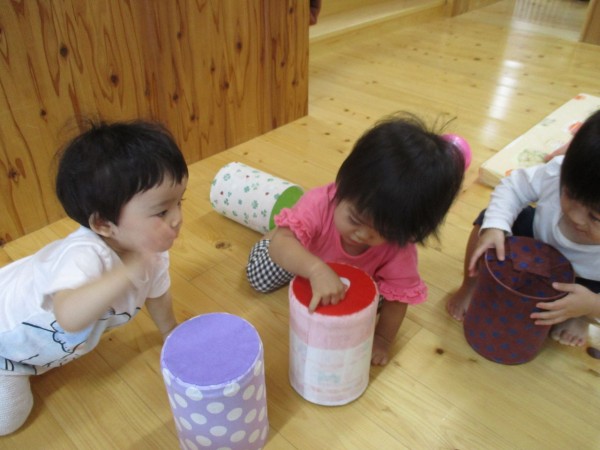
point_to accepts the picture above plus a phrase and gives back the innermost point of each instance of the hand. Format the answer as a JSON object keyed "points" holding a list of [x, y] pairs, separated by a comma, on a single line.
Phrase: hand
{"points": [[559, 151], [327, 288], [489, 238], [578, 302]]}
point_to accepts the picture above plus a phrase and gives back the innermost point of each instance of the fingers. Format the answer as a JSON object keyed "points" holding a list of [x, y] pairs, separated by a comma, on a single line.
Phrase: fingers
{"points": [[325, 300], [564, 287], [473, 265], [500, 252], [477, 253], [548, 306], [547, 317], [326, 289], [489, 238], [553, 313], [314, 302]]}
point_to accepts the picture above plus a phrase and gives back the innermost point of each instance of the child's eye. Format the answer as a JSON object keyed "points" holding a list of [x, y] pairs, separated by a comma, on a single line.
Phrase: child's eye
{"points": [[162, 214], [594, 218]]}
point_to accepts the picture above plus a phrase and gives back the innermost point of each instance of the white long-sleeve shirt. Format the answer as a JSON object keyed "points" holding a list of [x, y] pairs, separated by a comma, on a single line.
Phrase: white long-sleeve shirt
{"points": [[541, 185]]}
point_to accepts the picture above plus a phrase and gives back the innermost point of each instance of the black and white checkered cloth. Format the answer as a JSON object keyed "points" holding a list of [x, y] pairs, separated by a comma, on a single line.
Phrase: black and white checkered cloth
{"points": [[263, 274]]}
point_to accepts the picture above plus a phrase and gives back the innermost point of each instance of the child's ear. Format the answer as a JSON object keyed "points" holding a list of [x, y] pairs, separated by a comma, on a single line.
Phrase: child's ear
{"points": [[101, 226]]}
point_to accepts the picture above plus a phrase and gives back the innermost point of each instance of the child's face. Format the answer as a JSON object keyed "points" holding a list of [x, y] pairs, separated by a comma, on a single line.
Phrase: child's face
{"points": [[150, 221], [579, 223], [356, 232]]}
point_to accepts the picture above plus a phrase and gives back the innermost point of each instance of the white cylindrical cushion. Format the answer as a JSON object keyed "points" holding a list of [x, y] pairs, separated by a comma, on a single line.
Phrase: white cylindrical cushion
{"points": [[250, 196]]}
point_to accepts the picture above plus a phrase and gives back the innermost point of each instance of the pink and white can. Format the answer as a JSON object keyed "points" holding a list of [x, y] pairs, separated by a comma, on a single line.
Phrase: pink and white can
{"points": [[330, 348]]}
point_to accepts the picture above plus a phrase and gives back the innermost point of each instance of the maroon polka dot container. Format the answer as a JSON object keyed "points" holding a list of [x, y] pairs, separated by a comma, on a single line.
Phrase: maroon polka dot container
{"points": [[497, 324]]}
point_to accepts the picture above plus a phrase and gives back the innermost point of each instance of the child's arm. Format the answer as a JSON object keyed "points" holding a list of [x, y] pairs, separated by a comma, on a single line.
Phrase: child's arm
{"points": [[76, 309], [517, 190], [578, 302], [286, 251], [161, 311], [390, 318]]}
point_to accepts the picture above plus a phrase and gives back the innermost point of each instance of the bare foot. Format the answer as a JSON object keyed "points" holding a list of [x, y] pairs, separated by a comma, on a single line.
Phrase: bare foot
{"points": [[571, 332], [379, 356], [459, 302]]}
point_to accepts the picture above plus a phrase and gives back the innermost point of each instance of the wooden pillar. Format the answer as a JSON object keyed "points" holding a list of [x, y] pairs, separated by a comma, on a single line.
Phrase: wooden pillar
{"points": [[591, 27], [457, 7]]}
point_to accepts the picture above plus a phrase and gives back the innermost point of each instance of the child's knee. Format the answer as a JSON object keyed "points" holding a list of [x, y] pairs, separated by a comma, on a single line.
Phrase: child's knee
{"points": [[16, 402]]}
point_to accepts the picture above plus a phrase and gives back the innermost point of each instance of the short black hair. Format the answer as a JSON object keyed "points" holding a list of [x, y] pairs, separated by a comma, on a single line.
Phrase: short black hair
{"points": [[580, 170], [101, 169], [402, 176]]}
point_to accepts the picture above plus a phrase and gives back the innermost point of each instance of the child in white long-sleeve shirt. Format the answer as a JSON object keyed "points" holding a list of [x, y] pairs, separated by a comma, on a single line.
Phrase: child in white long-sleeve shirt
{"points": [[566, 193]]}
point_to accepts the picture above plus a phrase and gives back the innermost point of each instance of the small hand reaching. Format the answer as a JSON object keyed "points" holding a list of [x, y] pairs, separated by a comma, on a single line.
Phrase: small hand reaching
{"points": [[489, 238], [326, 286]]}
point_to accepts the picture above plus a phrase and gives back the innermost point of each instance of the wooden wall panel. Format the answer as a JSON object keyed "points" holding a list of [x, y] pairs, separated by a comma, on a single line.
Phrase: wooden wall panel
{"points": [[287, 74], [216, 72]]}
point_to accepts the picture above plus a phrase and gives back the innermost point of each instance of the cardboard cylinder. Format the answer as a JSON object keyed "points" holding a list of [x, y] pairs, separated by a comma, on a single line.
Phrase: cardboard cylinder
{"points": [[213, 370], [330, 348], [497, 323], [250, 196]]}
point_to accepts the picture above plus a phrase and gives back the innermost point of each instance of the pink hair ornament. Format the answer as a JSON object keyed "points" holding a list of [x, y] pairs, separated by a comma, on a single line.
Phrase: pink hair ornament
{"points": [[460, 143]]}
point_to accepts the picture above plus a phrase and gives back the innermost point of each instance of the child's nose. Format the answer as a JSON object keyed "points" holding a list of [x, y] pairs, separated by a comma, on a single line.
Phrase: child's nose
{"points": [[363, 233], [176, 218]]}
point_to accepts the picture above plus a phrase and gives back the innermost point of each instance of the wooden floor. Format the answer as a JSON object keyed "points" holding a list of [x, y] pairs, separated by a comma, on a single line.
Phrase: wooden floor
{"points": [[498, 73]]}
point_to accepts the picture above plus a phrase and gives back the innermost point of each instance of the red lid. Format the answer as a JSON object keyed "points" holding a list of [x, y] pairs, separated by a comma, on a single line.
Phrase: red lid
{"points": [[361, 293]]}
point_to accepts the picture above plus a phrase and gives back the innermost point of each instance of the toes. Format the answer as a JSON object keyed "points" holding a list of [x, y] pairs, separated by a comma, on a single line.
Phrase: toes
{"points": [[566, 337], [455, 312]]}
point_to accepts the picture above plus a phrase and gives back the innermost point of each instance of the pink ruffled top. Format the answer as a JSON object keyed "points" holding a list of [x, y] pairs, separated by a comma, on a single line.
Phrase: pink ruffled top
{"points": [[392, 267]]}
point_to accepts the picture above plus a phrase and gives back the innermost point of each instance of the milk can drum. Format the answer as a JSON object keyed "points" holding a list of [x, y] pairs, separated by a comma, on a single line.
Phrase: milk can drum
{"points": [[330, 348], [497, 324], [214, 373]]}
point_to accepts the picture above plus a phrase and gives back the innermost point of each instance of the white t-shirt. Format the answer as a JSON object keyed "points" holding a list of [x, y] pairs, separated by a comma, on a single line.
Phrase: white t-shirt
{"points": [[31, 341], [540, 184]]}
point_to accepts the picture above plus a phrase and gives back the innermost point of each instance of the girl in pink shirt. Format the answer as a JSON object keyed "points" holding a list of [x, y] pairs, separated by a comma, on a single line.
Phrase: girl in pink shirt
{"points": [[392, 192]]}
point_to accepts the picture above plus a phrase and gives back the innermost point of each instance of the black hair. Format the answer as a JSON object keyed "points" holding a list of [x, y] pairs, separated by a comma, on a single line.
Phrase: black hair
{"points": [[580, 170], [100, 170], [402, 176]]}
